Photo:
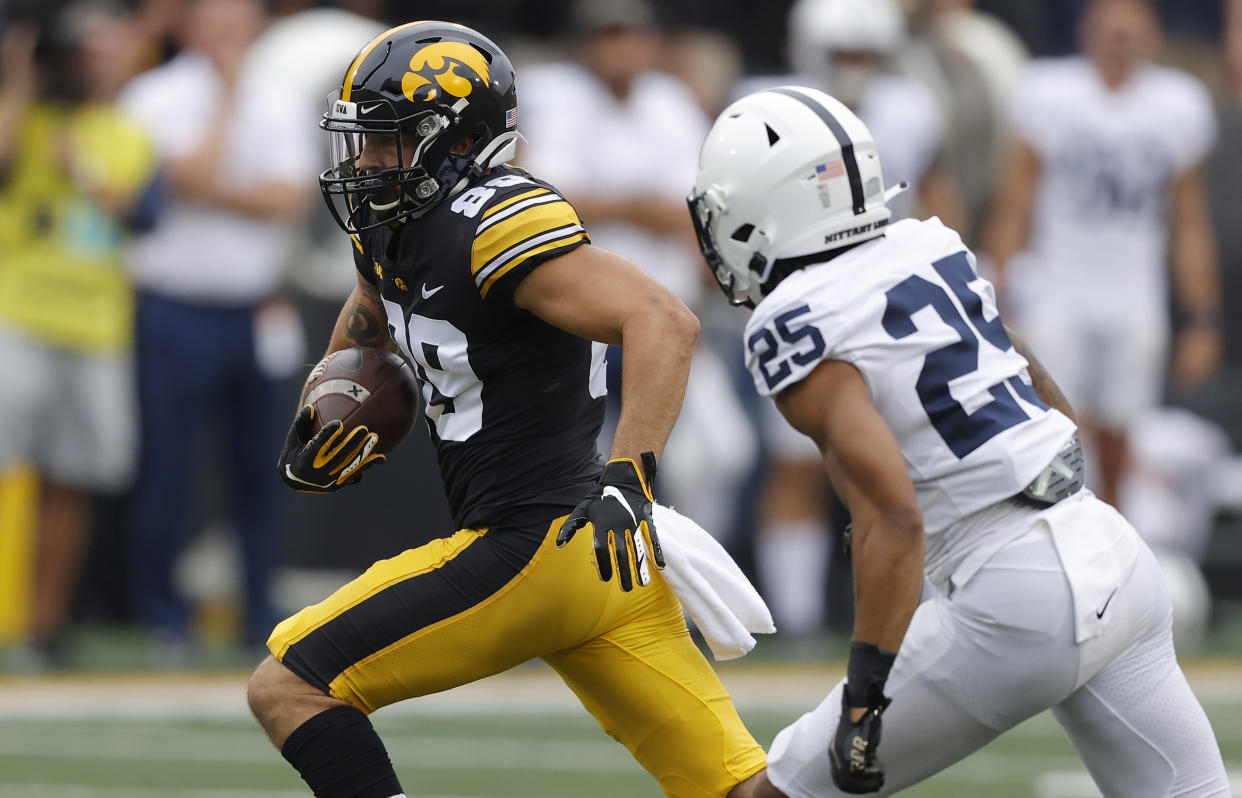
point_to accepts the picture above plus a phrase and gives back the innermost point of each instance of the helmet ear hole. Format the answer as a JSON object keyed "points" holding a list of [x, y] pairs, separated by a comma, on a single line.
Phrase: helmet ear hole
{"points": [[742, 234]]}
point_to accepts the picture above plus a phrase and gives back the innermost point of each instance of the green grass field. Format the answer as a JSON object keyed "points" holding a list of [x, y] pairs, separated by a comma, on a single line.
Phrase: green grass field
{"points": [[516, 735]]}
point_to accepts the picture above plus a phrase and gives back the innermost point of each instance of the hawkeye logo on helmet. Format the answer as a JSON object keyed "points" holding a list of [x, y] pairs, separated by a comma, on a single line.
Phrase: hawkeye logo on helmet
{"points": [[443, 67]]}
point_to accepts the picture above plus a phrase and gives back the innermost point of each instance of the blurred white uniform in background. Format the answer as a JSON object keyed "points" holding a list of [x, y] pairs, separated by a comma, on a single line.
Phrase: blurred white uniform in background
{"points": [[1091, 291], [593, 145], [597, 144], [200, 253], [334, 36], [841, 46], [1172, 491]]}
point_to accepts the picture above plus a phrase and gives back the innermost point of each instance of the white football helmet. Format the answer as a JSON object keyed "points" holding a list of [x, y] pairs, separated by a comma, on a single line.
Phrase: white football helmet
{"points": [[817, 28], [786, 176]]}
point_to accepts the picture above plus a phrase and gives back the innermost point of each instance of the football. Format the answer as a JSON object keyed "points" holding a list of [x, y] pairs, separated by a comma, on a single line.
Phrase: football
{"points": [[366, 386]]}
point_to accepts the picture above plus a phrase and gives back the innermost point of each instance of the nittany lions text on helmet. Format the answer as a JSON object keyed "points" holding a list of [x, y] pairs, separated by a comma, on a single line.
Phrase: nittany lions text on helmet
{"points": [[426, 85], [785, 177]]}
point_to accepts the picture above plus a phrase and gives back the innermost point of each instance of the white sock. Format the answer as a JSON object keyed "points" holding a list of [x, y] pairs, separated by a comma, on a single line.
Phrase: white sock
{"points": [[792, 560]]}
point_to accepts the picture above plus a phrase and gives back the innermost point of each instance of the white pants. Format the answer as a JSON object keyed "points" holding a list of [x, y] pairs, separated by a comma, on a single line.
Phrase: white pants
{"points": [[1111, 366], [1001, 648]]}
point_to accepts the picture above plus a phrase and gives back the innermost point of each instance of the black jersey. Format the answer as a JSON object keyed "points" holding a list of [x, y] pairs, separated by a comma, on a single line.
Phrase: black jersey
{"points": [[514, 405]]}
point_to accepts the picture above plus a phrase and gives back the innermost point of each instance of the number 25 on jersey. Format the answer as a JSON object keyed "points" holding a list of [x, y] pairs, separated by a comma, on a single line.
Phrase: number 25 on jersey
{"points": [[962, 432]]}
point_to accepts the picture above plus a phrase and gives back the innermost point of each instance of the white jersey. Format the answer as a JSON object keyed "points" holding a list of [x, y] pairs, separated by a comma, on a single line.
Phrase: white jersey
{"points": [[1108, 158], [198, 252], [911, 313], [596, 144]]}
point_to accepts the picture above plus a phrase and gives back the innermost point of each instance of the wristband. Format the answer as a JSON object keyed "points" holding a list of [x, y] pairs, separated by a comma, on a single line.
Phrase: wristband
{"points": [[866, 674]]}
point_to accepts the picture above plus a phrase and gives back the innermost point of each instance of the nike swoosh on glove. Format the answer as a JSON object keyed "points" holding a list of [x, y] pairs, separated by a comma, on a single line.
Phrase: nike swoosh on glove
{"points": [[619, 510], [328, 460]]}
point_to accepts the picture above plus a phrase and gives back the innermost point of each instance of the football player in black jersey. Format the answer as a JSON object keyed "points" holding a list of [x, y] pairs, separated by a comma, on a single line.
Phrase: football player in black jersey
{"points": [[483, 277]]}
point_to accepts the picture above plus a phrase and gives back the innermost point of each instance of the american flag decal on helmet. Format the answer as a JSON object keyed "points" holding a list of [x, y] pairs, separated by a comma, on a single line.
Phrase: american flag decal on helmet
{"points": [[830, 169], [511, 117]]}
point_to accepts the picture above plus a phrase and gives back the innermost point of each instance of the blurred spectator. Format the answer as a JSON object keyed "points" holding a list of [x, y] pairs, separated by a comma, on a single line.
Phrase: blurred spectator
{"points": [[211, 336], [301, 88], [71, 170], [1233, 49], [976, 62], [850, 49], [1220, 399], [847, 48], [621, 140], [707, 62], [1100, 184]]}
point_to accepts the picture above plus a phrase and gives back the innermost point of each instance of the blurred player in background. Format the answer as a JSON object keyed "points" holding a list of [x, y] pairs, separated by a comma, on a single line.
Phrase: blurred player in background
{"points": [[972, 62], [1105, 179], [623, 153], [237, 169], [624, 148], [848, 48], [484, 278], [72, 169], [959, 459]]}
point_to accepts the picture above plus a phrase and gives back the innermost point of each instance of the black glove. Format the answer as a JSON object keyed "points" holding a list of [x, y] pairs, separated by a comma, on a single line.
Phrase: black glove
{"points": [[855, 766], [329, 460], [619, 510]]}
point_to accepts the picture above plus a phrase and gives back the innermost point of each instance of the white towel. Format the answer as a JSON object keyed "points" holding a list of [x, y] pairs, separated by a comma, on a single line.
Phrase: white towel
{"points": [[714, 592]]}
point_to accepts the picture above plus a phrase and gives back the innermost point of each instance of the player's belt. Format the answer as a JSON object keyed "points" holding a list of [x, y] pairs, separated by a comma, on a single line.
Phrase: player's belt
{"points": [[1062, 478]]}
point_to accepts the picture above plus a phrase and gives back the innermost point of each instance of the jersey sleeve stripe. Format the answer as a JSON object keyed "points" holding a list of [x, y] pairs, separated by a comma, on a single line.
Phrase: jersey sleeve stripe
{"points": [[498, 262], [499, 206], [500, 238], [518, 260], [357, 243], [518, 208]]}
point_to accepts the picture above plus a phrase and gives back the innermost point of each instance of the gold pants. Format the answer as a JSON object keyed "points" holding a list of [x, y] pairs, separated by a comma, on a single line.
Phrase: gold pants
{"points": [[479, 602]]}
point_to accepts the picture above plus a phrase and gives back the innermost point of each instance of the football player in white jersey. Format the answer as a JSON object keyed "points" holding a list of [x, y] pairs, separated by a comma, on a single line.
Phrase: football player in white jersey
{"points": [[958, 460], [847, 48], [1103, 181]]}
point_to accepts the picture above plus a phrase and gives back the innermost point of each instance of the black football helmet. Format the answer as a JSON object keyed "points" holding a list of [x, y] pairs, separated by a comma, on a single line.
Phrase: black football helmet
{"points": [[439, 84]]}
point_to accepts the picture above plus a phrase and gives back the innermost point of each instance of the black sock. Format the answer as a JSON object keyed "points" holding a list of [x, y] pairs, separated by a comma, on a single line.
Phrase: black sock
{"points": [[339, 755]]}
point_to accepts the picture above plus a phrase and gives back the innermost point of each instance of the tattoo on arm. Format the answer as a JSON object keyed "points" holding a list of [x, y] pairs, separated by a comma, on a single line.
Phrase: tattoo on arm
{"points": [[363, 328], [1041, 380]]}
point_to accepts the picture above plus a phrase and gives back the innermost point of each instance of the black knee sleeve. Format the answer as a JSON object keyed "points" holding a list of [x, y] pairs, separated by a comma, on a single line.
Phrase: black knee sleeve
{"points": [[339, 755]]}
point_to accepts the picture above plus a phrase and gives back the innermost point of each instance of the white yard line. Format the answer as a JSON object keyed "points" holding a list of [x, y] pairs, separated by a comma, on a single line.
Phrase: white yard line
{"points": [[13, 789], [533, 690], [16, 789], [426, 752], [1066, 784]]}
